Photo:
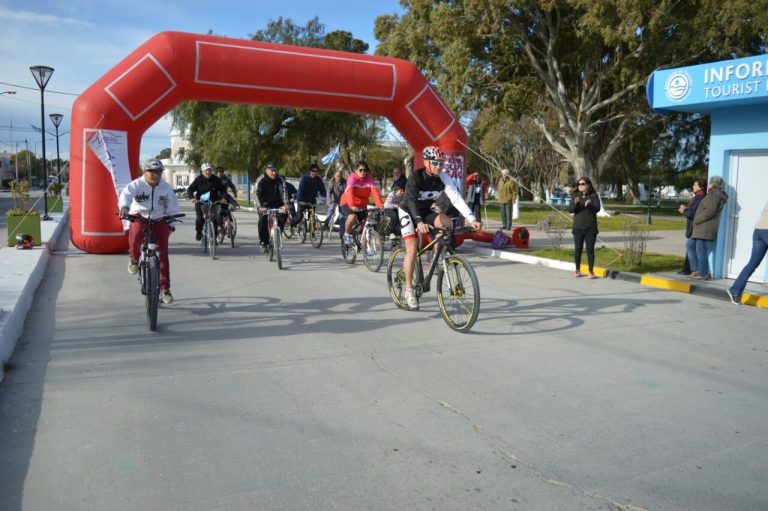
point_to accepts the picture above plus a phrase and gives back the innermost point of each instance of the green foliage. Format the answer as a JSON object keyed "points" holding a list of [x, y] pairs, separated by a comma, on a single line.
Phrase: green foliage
{"points": [[576, 68], [21, 200], [164, 154]]}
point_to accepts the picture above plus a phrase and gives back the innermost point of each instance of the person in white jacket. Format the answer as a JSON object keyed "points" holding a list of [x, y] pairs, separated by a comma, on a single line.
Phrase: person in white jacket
{"points": [[149, 196]]}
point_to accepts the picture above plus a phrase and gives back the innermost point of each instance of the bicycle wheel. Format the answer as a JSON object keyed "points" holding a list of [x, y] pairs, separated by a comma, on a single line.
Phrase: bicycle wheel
{"points": [[373, 254], [288, 230], [350, 251], [232, 229], [301, 229], [458, 293], [152, 297], [211, 239], [396, 277], [278, 247], [222, 232], [204, 238], [316, 233]]}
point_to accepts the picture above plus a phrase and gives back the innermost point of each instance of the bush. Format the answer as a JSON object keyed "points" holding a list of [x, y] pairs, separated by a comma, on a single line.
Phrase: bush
{"points": [[635, 241]]}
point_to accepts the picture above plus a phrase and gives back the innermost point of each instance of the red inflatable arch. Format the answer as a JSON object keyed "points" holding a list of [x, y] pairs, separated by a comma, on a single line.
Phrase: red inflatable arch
{"points": [[109, 118]]}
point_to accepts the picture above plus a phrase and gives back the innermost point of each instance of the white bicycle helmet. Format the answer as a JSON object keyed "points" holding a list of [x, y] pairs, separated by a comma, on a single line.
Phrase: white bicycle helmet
{"points": [[432, 152], [206, 166]]}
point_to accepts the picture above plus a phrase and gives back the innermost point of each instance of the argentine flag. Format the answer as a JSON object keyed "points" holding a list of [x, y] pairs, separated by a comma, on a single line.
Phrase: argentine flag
{"points": [[332, 156]]}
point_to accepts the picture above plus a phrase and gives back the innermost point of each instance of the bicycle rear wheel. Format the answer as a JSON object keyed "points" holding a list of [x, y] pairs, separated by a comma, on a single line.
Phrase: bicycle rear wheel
{"points": [[458, 293], [316, 233], [373, 254], [232, 231], [211, 239], [152, 297]]}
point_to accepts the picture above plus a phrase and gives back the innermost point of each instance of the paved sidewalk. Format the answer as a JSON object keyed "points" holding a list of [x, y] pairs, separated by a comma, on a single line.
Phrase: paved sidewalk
{"points": [[659, 242]]}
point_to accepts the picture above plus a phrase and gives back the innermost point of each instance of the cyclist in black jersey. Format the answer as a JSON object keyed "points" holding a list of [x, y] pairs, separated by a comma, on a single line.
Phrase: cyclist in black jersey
{"points": [[425, 186]]}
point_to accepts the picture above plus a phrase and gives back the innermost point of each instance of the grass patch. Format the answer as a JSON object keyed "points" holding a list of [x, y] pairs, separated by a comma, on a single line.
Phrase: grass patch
{"points": [[530, 216], [608, 258]]}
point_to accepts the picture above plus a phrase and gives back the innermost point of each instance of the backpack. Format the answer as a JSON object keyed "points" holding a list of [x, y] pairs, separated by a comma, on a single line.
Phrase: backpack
{"points": [[499, 240]]}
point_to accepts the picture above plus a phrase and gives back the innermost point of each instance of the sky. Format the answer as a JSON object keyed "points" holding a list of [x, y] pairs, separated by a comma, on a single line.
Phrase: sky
{"points": [[83, 39]]}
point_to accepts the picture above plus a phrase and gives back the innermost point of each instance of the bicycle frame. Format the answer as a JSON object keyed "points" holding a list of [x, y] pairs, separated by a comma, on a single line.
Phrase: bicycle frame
{"points": [[442, 239]]}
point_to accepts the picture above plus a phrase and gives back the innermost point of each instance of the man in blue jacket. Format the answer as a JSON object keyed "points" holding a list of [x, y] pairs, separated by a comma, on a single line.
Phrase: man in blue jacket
{"points": [[310, 186]]}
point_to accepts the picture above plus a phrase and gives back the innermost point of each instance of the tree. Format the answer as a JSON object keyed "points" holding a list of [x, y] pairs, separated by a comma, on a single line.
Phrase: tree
{"points": [[583, 64], [164, 154]]}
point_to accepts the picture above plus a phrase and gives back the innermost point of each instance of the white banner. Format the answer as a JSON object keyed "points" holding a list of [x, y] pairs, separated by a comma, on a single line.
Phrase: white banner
{"points": [[111, 147]]}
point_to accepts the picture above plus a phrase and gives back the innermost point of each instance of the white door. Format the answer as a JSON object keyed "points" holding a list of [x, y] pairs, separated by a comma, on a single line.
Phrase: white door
{"points": [[748, 193]]}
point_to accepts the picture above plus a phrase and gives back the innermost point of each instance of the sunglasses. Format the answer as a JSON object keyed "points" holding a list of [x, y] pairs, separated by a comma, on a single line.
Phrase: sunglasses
{"points": [[437, 163], [362, 169], [582, 184]]}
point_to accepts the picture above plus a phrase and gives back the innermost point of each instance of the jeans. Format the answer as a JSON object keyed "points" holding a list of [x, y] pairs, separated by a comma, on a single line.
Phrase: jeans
{"points": [[579, 237], [698, 255], [759, 249], [506, 215]]}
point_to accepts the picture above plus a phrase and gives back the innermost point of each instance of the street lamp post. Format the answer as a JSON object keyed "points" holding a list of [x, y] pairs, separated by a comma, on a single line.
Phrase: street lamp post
{"points": [[662, 136], [56, 120], [42, 74]]}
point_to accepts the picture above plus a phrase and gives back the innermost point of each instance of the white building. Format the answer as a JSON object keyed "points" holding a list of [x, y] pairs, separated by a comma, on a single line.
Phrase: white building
{"points": [[180, 175]]}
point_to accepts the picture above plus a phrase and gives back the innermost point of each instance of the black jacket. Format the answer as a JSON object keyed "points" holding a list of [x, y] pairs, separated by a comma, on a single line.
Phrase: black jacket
{"points": [[310, 188], [585, 217], [690, 212], [335, 190], [201, 185], [269, 192]]}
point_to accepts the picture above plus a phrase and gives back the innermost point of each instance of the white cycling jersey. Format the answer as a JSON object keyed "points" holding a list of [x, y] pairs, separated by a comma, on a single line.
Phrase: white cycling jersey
{"points": [[140, 198]]}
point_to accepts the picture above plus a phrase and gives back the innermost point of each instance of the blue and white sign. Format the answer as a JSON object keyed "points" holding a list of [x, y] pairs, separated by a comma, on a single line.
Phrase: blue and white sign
{"points": [[705, 87]]}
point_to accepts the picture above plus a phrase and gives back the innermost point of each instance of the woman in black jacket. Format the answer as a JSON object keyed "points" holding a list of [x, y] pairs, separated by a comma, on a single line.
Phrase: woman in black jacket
{"points": [[585, 204]]}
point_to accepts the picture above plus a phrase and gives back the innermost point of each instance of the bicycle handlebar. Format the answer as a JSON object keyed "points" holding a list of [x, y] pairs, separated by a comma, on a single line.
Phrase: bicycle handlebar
{"points": [[148, 221]]}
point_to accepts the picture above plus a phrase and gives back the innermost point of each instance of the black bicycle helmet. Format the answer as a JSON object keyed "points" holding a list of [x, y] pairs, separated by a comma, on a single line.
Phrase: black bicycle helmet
{"points": [[24, 241]]}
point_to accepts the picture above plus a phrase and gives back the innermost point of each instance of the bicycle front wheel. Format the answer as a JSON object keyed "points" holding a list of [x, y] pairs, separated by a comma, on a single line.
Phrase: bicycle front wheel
{"points": [[301, 229], [396, 277], [373, 254], [275, 247], [211, 240], [458, 293], [204, 239], [152, 297], [316, 233]]}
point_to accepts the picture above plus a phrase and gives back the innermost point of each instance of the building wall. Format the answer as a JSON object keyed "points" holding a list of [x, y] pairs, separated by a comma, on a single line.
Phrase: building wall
{"points": [[734, 129]]}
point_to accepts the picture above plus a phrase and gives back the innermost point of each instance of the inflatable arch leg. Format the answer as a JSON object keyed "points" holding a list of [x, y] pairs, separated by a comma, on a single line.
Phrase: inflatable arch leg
{"points": [[109, 118]]}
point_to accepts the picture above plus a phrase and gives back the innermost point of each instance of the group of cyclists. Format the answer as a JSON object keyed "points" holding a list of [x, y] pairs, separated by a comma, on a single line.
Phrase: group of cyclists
{"points": [[415, 205]]}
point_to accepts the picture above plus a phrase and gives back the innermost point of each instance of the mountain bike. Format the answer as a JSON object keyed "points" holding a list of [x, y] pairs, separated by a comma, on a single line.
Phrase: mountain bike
{"points": [[275, 245], [310, 224], [208, 239], [149, 264], [366, 240], [228, 227], [458, 290]]}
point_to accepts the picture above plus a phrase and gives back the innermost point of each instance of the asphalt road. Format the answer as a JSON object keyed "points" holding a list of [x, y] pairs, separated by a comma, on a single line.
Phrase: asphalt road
{"points": [[307, 389]]}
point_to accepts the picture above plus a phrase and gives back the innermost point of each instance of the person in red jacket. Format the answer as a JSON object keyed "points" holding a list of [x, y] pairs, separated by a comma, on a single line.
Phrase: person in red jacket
{"points": [[477, 189], [360, 187]]}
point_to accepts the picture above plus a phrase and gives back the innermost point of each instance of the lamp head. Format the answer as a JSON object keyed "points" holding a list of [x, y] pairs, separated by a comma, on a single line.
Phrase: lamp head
{"points": [[56, 119], [42, 74]]}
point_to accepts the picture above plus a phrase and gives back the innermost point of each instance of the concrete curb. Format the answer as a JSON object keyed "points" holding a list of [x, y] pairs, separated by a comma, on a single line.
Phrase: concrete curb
{"points": [[649, 280], [21, 271]]}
